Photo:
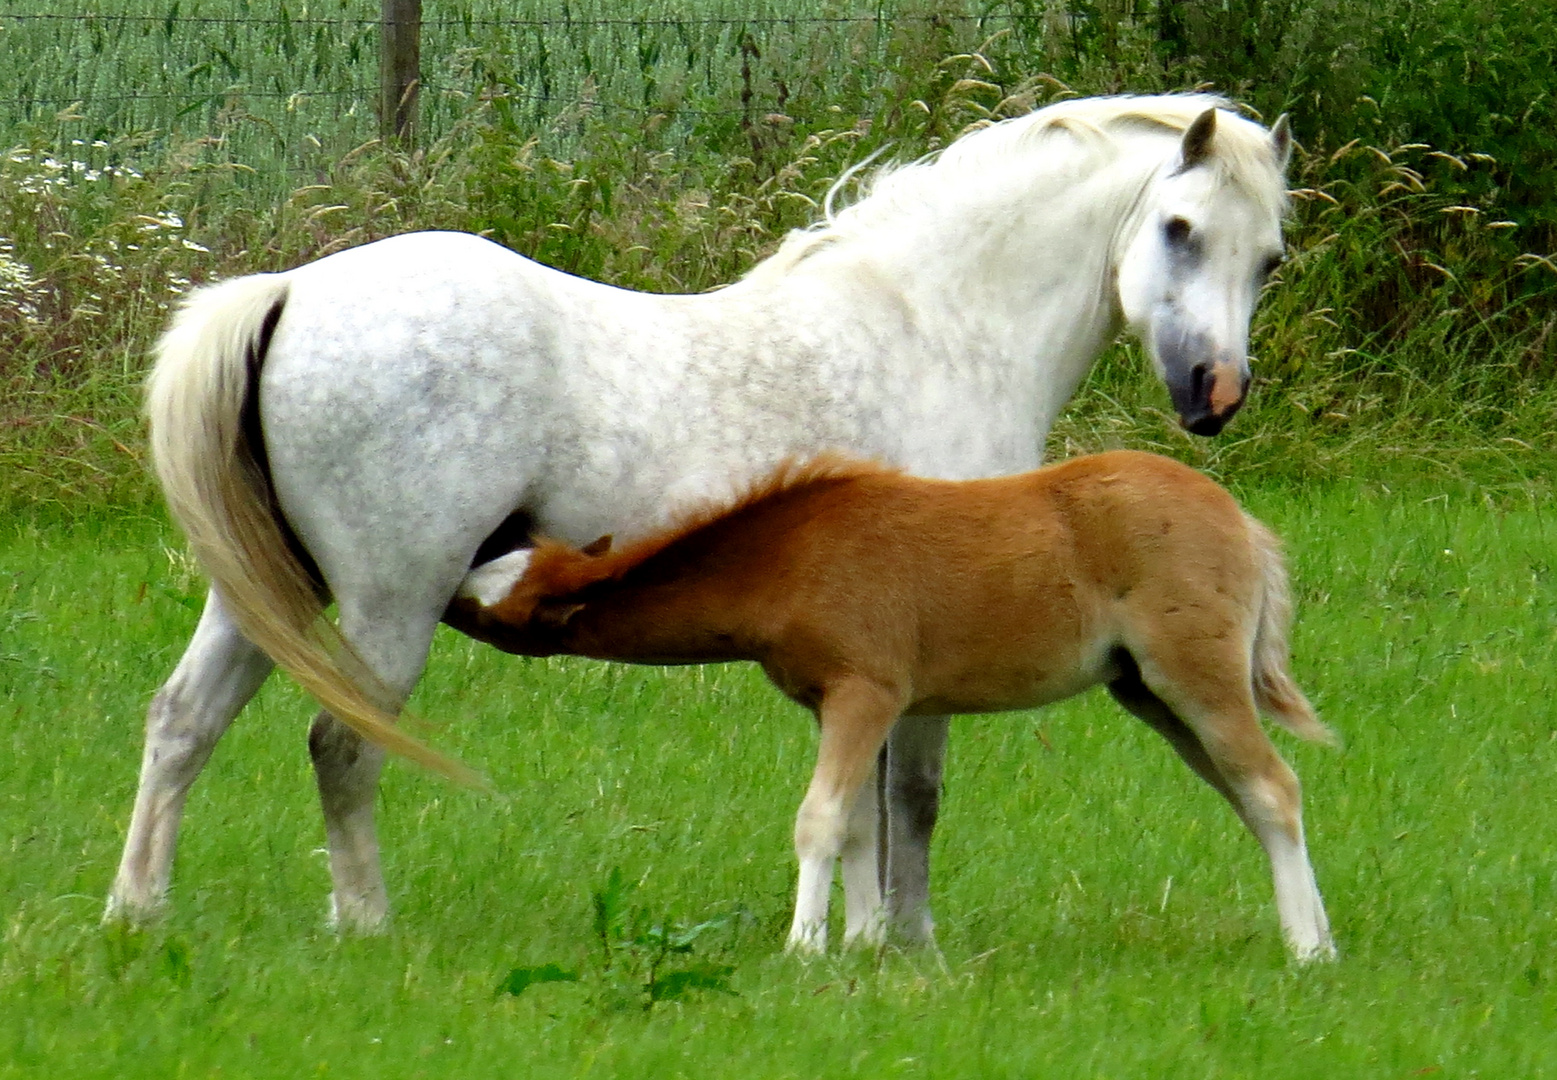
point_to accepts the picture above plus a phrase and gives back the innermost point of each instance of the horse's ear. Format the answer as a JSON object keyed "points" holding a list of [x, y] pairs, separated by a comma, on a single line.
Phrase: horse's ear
{"points": [[1281, 141], [1196, 146], [597, 547]]}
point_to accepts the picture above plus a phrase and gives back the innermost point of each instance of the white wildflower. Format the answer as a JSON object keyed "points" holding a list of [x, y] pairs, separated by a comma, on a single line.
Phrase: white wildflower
{"points": [[18, 288]]}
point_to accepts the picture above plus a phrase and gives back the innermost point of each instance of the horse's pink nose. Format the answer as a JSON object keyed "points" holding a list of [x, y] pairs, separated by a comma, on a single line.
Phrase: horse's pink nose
{"points": [[1216, 392], [1229, 383]]}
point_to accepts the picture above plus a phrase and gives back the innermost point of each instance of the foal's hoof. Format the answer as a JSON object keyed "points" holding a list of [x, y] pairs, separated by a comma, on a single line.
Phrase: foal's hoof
{"points": [[873, 935], [808, 941]]}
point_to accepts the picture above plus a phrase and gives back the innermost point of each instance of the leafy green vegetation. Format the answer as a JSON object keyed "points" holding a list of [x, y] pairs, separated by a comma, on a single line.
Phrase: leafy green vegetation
{"points": [[1102, 912], [670, 150]]}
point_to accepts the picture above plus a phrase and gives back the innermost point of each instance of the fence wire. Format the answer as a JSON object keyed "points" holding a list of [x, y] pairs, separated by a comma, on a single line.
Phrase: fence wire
{"points": [[140, 71], [278, 92]]}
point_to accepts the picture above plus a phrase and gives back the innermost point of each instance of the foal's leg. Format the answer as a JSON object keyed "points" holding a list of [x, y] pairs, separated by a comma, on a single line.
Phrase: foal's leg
{"points": [[1132, 693], [1211, 696], [393, 644], [861, 870], [219, 672], [855, 716], [916, 752]]}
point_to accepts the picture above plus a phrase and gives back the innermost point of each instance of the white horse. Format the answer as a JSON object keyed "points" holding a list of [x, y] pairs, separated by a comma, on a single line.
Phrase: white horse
{"points": [[370, 426]]}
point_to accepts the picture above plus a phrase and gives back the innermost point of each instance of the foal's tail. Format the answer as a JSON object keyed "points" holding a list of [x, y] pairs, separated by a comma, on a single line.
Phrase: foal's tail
{"points": [[1274, 691], [209, 455]]}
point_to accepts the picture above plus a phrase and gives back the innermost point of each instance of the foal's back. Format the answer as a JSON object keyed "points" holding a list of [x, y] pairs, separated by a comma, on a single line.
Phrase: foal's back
{"points": [[995, 594], [959, 596]]}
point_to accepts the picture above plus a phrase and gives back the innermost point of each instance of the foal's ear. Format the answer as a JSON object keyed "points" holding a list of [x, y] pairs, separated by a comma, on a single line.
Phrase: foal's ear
{"points": [[1196, 146], [597, 547], [552, 614], [1281, 141]]}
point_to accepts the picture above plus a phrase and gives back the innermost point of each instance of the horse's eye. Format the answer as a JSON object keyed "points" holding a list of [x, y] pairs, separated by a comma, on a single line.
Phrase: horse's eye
{"points": [[1177, 230]]}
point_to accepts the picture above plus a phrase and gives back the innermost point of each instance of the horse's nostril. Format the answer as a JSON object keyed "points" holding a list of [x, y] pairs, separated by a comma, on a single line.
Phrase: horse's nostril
{"points": [[1197, 381]]}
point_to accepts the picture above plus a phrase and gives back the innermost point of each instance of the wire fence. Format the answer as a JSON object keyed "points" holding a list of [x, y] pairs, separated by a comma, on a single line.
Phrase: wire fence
{"points": [[306, 76], [679, 20]]}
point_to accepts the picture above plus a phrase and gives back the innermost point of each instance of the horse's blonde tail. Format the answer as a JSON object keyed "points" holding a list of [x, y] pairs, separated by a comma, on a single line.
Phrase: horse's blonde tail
{"points": [[1274, 691], [204, 430]]}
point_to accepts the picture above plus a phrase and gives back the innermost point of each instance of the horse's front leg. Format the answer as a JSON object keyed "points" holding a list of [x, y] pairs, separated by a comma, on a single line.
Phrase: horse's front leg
{"points": [[916, 751], [218, 674]]}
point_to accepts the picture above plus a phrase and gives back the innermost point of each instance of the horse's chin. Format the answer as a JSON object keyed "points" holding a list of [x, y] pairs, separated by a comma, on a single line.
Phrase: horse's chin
{"points": [[1206, 422], [1207, 425]]}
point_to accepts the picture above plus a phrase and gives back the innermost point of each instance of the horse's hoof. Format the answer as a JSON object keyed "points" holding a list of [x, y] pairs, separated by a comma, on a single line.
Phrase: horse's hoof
{"points": [[807, 942], [872, 936], [1321, 953], [120, 911], [912, 933], [357, 919]]}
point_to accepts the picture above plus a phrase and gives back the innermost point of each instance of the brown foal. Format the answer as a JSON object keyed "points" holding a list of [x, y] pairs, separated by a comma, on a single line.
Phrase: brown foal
{"points": [[866, 594]]}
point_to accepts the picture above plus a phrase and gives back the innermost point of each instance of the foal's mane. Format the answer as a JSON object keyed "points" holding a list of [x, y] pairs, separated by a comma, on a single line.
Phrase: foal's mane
{"points": [[559, 570], [1241, 152]]}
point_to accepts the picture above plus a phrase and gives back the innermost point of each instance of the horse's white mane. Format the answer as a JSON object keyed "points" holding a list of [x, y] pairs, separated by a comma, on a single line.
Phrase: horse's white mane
{"points": [[1241, 151]]}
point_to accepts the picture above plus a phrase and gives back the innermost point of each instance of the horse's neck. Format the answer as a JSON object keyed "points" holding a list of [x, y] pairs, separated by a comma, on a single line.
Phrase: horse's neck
{"points": [[1014, 280]]}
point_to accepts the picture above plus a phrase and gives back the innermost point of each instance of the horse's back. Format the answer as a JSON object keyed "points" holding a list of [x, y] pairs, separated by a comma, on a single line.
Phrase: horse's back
{"points": [[410, 391], [1171, 557], [1063, 565]]}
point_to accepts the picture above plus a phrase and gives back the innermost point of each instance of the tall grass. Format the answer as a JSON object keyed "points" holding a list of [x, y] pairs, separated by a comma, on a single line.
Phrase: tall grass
{"points": [[304, 78], [1461, 76], [1414, 321]]}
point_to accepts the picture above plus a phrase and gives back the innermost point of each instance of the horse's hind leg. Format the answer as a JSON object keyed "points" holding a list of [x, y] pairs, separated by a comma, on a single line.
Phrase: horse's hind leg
{"points": [[1210, 697], [916, 751], [219, 672], [393, 644]]}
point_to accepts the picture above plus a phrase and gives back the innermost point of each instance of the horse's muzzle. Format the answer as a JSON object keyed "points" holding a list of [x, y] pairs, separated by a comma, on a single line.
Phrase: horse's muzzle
{"points": [[1210, 397]]}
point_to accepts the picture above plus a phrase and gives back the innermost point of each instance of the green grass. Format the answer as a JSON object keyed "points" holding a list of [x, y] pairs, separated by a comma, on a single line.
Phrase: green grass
{"points": [[290, 85], [1425, 636]]}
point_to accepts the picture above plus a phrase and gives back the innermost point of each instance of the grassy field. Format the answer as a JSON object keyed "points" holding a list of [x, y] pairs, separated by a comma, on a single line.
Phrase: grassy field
{"points": [[1101, 913]]}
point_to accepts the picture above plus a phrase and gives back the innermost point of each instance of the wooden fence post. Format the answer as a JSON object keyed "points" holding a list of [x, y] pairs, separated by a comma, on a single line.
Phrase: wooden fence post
{"points": [[399, 69]]}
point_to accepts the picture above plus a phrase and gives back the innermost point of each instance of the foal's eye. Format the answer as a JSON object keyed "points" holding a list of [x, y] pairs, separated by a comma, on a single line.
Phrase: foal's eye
{"points": [[1177, 230]]}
